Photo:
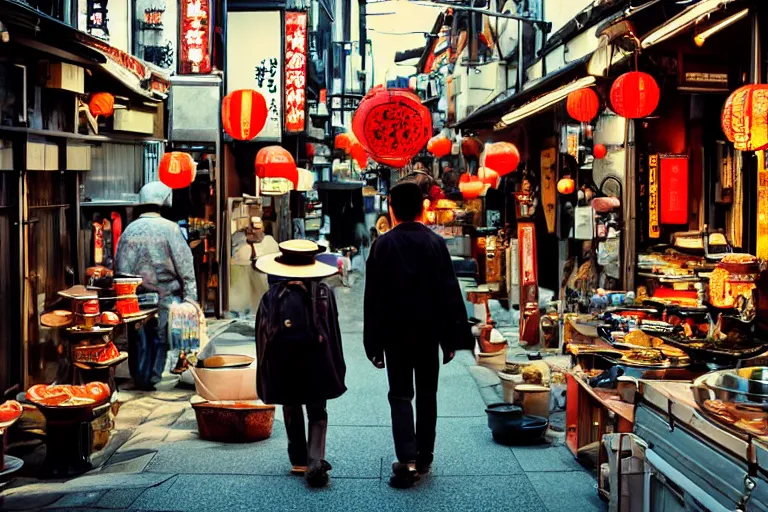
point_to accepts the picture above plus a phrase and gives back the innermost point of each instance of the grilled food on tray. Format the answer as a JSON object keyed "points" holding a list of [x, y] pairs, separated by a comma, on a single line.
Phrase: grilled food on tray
{"points": [[754, 422], [643, 355]]}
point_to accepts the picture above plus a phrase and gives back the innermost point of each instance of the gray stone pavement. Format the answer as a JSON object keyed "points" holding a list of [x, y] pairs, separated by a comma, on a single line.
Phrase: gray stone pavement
{"points": [[155, 460]]}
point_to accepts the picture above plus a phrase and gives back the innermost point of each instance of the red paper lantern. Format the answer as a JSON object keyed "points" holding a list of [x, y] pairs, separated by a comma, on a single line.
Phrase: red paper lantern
{"points": [[502, 157], [634, 95], [177, 169], [582, 105], [243, 114], [392, 124], [744, 119], [359, 155], [102, 104], [276, 162], [599, 151], [439, 145], [471, 187], [488, 176], [471, 147], [344, 141], [566, 185]]}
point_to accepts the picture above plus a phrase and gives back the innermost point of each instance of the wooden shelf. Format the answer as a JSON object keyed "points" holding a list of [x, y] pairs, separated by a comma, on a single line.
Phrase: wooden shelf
{"points": [[112, 137]]}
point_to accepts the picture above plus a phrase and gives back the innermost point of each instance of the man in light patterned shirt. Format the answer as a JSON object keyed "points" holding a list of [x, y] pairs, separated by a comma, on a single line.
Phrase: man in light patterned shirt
{"points": [[154, 248]]}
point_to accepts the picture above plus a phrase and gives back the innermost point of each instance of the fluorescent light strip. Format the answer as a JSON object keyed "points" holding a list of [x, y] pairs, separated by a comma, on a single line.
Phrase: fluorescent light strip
{"points": [[717, 27], [544, 102], [683, 21]]}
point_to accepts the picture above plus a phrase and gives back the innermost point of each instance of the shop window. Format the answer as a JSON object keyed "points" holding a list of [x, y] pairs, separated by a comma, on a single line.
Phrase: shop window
{"points": [[117, 173]]}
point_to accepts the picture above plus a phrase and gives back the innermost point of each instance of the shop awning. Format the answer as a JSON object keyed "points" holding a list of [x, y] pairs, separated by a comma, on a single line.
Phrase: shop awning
{"points": [[543, 102], [684, 21]]}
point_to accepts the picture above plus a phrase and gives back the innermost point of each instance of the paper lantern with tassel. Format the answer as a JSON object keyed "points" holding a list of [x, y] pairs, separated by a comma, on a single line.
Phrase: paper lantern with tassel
{"points": [[582, 105], [177, 169], [244, 114], [102, 104], [276, 162], [635, 95], [344, 142], [744, 119], [439, 146], [502, 157]]}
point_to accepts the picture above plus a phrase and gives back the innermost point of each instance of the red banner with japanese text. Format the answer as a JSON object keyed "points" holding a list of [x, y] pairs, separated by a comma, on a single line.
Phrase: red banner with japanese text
{"points": [[195, 36], [295, 71]]}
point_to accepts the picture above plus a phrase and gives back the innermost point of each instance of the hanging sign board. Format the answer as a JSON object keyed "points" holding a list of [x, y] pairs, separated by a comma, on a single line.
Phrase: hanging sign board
{"points": [[295, 71], [548, 187], [673, 193], [654, 231], [254, 61], [195, 36]]}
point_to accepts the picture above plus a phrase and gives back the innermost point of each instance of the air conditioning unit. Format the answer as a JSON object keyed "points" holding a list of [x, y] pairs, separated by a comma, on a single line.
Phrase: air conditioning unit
{"points": [[477, 85]]}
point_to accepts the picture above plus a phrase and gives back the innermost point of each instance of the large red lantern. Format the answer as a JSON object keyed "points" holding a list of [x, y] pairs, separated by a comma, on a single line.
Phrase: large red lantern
{"points": [[102, 104], [392, 124], [177, 169], [276, 162], [244, 114], [502, 157], [439, 145], [582, 105], [471, 147], [744, 118], [635, 95], [471, 187]]}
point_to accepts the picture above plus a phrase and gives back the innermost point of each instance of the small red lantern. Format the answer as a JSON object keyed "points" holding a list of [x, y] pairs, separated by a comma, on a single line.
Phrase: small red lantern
{"points": [[439, 145], [177, 169], [502, 157], [102, 104], [566, 185], [744, 119], [471, 187], [243, 114], [471, 147], [392, 124], [599, 151], [276, 162], [582, 105], [344, 141], [635, 95], [488, 176]]}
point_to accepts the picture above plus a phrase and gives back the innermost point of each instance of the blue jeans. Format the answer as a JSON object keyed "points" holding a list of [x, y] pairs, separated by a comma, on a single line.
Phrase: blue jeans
{"points": [[148, 349]]}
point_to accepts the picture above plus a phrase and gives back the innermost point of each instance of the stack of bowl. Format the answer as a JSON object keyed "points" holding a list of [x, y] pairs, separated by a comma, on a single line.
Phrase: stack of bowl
{"points": [[126, 299]]}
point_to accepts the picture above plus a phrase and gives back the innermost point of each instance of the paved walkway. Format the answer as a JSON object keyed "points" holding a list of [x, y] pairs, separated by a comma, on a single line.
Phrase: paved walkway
{"points": [[160, 464]]}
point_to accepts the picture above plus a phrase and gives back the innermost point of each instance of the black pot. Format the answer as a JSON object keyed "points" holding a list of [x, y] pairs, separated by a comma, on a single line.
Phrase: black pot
{"points": [[510, 426]]}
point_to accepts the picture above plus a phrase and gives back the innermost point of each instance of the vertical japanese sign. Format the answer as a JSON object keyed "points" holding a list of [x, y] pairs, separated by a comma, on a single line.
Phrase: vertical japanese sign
{"points": [[295, 71], [654, 231], [254, 61], [673, 199], [195, 36]]}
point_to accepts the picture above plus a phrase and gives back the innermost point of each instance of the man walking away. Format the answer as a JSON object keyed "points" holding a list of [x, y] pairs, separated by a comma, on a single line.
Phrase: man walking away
{"points": [[413, 306]]}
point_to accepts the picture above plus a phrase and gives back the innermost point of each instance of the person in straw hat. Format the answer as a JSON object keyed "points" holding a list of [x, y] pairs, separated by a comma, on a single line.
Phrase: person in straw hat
{"points": [[300, 356]]}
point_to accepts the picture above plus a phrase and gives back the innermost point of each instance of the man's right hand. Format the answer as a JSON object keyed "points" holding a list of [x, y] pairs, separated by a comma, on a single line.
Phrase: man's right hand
{"points": [[378, 362]]}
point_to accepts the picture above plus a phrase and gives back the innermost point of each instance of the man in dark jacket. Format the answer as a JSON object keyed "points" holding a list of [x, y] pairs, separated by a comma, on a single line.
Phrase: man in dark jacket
{"points": [[413, 306]]}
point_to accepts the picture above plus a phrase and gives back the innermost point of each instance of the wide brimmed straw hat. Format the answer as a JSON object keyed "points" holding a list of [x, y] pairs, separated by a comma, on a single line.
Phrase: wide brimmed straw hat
{"points": [[296, 259]]}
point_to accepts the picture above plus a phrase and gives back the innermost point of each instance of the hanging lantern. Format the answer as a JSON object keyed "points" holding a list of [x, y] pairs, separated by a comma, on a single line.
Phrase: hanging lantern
{"points": [[392, 124], [471, 147], [744, 119], [599, 151], [566, 185], [488, 176], [582, 105], [439, 146], [502, 157], [102, 104], [276, 162], [243, 114], [344, 142], [635, 95], [177, 169], [359, 155], [471, 187]]}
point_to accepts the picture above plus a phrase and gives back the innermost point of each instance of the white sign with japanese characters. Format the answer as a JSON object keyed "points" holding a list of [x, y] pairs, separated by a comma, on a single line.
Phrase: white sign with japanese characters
{"points": [[255, 61]]}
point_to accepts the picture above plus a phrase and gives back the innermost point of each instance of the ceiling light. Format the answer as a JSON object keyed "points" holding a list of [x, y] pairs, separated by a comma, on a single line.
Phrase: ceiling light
{"points": [[702, 37], [545, 101], [683, 20]]}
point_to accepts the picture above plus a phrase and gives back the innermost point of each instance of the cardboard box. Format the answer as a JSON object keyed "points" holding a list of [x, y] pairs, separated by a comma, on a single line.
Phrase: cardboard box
{"points": [[134, 121], [42, 156], [78, 158], [67, 77]]}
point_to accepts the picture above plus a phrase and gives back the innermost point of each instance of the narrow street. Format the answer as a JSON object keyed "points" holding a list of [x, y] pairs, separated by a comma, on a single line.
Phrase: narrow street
{"points": [[162, 465]]}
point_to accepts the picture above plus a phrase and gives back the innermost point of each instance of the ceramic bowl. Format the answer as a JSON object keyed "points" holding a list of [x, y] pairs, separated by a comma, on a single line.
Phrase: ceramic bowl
{"points": [[234, 421]]}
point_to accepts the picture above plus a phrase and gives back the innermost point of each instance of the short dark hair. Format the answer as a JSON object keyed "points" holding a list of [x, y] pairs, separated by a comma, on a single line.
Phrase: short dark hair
{"points": [[406, 200]]}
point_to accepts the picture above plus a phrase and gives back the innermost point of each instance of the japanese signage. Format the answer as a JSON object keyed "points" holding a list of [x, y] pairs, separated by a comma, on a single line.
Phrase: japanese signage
{"points": [[762, 207], [195, 36], [654, 231], [254, 61], [295, 70], [673, 197]]}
